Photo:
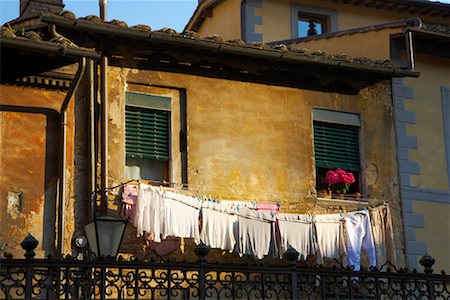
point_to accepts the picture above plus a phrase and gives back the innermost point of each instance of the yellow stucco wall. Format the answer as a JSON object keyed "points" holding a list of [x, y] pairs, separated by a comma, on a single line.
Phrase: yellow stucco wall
{"points": [[225, 21], [373, 45], [434, 73], [276, 15], [29, 143], [251, 141], [435, 233]]}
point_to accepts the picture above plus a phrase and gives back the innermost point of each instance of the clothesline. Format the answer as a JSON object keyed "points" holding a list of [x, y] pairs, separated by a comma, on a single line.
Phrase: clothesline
{"points": [[257, 231], [197, 187]]}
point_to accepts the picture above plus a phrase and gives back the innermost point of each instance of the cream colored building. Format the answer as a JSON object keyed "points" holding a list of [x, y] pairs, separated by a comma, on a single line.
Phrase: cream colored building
{"points": [[412, 34]]}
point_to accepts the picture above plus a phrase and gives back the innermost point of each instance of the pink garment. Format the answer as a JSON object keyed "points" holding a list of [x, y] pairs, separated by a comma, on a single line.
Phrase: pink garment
{"points": [[129, 200], [268, 206]]}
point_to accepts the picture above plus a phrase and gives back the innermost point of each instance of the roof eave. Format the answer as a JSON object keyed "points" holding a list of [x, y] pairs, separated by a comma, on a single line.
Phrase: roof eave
{"points": [[217, 47]]}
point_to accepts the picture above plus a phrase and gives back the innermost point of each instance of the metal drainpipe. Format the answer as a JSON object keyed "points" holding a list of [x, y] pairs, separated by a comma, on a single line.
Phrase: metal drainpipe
{"points": [[243, 21], [104, 118], [62, 176], [91, 136], [410, 50]]}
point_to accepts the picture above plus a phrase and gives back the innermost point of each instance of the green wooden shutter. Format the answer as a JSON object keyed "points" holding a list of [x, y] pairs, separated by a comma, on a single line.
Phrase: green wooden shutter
{"points": [[336, 146], [147, 133]]}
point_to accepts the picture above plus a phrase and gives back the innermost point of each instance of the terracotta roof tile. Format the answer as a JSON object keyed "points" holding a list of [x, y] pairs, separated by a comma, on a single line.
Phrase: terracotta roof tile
{"points": [[141, 27], [170, 31], [7, 32], [119, 23], [436, 28], [407, 23], [276, 46], [215, 38]]}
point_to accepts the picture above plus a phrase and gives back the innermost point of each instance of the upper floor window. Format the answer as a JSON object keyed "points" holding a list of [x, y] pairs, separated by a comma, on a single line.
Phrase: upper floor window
{"points": [[147, 136], [311, 24], [336, 146], [308, 20]]}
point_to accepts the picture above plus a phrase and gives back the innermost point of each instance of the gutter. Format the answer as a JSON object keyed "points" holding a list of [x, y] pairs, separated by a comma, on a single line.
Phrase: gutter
{"points": [[48, 47], [271, 55], [63, 140]]}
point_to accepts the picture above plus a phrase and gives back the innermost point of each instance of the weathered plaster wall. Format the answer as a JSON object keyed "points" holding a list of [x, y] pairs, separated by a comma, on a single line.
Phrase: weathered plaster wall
{"points": [[225, 21], [29, 145], [250, 141]]}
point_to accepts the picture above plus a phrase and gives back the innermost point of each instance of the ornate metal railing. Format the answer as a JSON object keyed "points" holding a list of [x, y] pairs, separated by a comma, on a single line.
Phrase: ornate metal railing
{"points": [[68, 278]]}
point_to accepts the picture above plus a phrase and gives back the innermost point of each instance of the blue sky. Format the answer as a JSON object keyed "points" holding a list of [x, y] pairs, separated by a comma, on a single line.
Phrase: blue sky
{"points": [[155, 13]]}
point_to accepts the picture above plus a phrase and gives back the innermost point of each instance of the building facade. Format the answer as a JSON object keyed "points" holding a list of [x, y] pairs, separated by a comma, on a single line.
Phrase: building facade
{"points": [[412, 34], [237, 121]]}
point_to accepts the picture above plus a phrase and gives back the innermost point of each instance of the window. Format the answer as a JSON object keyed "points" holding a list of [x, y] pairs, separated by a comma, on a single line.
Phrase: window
{"points": [[311, 24], [309, 20], [336, 145], [147, 136]]}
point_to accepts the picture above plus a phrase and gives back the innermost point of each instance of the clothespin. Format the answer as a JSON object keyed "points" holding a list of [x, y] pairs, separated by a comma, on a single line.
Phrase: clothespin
{"points": [[279, 204], [341, 212], [272, 213]]}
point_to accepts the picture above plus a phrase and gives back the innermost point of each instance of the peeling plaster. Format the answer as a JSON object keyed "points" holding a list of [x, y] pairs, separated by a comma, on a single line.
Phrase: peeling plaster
{"points": [[14, 204]]}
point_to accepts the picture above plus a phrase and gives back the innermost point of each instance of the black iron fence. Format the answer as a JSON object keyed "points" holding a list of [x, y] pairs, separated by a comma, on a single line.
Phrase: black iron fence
{"points": [[31, 278]]}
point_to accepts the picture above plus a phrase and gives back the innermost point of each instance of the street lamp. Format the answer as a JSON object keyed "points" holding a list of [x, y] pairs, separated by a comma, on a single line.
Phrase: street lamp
{"points": [[105, 235]]}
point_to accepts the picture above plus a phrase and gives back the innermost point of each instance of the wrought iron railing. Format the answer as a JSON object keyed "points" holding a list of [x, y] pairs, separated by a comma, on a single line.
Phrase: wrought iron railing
{"points": [[68, 278]]}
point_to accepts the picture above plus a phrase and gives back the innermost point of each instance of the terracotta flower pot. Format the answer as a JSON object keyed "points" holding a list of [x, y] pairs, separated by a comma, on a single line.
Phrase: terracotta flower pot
{"points": [[339, 196]]}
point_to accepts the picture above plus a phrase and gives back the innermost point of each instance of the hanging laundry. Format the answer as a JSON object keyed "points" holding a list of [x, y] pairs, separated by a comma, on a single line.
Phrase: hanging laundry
{"points": [[268, 206], [359, 235], [330, 236], [165, 247], [129, 200], [219, 226], [383, 235], [236, 203], [256, 233], [149, 211], [181, 215], [297, 231]]}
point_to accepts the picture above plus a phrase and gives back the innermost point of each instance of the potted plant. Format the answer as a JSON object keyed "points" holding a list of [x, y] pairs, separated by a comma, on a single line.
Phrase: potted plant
{"points": [[323, 188], [339, 181]]}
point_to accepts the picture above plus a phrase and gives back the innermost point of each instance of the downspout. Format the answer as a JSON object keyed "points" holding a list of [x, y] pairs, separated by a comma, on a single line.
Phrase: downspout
{"points": [[63, 140], [243, 20], [104, 119], [91, 135], [410, 50]]}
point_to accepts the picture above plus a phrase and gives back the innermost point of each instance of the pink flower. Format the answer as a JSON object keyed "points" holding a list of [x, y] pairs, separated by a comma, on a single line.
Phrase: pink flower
{"points": [[339, 176], [332, 177]]}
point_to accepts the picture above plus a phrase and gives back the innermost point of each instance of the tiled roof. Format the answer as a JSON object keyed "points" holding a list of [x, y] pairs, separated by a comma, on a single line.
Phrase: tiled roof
{"points": [[436, 28], [216, 39], [166, 50], [414, 23], [25, 55], [417, 7], [8, 36]]}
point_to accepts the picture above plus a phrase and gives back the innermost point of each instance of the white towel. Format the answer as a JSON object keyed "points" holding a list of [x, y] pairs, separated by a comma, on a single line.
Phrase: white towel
{"points": [[297, 231], [219, 229]]}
